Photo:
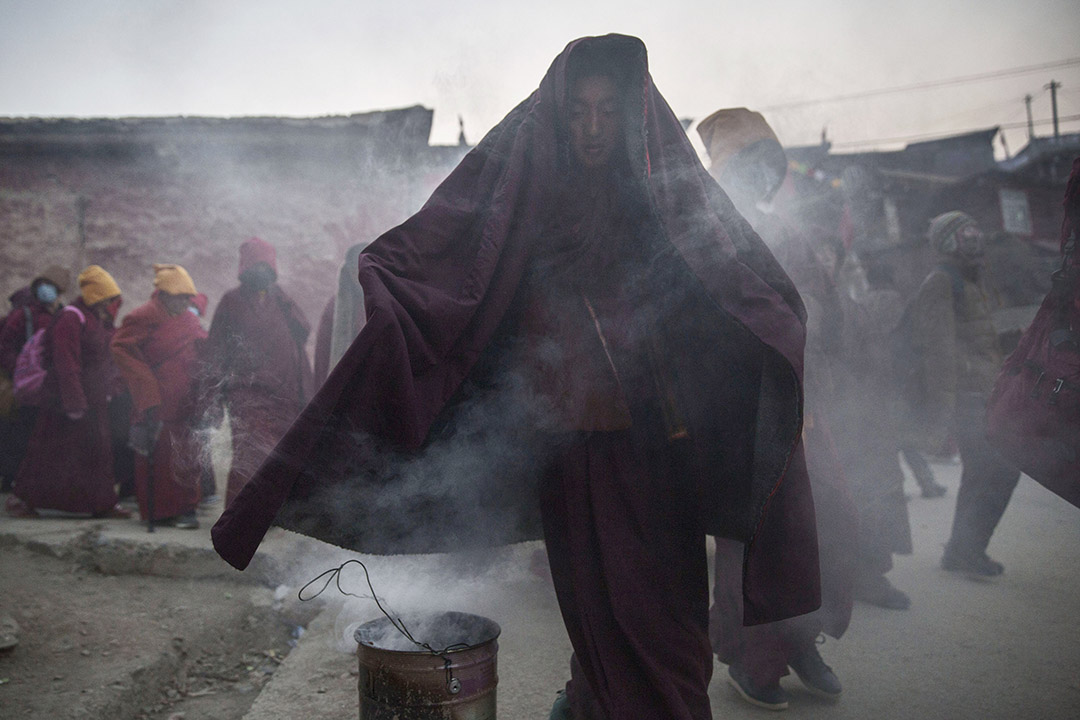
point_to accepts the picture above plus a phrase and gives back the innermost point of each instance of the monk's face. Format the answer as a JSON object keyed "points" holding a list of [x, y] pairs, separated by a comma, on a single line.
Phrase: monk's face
{"points": [[595, 121], [175, 304]]}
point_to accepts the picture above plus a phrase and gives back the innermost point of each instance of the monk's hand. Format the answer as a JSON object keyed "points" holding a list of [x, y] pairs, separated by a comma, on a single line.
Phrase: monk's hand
{"points": [[143, 435]]}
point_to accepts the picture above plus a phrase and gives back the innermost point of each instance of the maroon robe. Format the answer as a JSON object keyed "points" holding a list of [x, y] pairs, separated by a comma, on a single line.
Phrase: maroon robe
{"points": [[15, 429], [68, 463], [258, 364], [157, 354], [375, 462]]}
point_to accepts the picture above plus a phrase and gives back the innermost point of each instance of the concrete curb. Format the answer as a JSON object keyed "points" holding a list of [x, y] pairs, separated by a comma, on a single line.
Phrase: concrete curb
{"points": [[93, 549]]}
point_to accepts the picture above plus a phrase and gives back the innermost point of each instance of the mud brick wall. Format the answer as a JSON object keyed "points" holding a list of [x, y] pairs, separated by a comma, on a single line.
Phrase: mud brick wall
{"points": [[124, 194]]}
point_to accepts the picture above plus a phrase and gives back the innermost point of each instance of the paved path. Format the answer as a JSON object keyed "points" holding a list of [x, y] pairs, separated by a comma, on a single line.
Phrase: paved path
{"points": [[1008, 648]]}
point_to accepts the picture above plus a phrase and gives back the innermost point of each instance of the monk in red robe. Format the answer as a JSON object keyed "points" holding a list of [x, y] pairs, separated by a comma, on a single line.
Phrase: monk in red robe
{"points": [[157, 350], [33, 308], [576, 326], [749, 163], [256, 363], [68, 464]]}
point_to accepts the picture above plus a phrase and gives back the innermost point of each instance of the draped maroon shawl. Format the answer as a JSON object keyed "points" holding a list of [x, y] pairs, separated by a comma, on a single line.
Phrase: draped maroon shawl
{"points": [[440, 293]]}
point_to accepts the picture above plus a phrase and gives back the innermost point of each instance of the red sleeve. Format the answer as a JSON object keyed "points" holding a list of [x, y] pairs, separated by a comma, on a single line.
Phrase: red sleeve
{"points": [[66, 343], [127, 351]]}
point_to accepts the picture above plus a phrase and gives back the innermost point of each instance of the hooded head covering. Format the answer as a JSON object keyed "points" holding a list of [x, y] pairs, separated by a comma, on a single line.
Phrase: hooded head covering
{"points": [[96, 285], [57, 276], [439, 287], [173, 279], [256, 250], [944, 230]]}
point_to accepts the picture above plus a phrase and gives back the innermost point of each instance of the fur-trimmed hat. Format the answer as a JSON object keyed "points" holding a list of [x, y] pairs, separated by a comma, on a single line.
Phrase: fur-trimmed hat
{"points": [[58, 277], [728, 132]]}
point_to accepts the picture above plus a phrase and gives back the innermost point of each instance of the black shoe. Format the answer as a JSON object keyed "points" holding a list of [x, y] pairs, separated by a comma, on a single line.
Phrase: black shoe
{"points": [[971, 563], [879, 591], [933, 490], [771, 697], [818, 677]]}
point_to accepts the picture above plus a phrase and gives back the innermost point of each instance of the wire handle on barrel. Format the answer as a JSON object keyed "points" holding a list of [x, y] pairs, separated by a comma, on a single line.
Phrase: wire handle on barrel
{"points": [[334, 575]]}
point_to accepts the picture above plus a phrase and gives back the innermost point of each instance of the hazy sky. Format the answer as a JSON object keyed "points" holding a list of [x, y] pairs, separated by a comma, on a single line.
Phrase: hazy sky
{"points": [[478, 58]]}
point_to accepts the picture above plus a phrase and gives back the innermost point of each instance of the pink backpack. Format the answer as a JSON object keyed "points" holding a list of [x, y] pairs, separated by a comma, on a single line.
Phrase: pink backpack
{"points": [[30, 369]]}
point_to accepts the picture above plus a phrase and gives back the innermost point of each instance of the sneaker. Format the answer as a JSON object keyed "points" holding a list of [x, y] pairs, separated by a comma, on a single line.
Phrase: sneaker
{"points": [[971, 563], [818, 677], [209, 501], [770, 697], [187, 521], [933, 490], [560, 709], [879, 591]]}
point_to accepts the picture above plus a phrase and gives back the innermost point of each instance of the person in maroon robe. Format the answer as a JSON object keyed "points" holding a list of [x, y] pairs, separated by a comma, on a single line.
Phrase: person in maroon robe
{"points": [[256, 363], [156, 349], [68, 463], [577, 325], [31, 311], [342, 318], [749, 163]]}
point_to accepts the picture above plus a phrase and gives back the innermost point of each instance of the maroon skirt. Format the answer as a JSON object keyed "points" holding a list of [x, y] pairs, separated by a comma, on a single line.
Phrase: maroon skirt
{"points": [[627, 553]]}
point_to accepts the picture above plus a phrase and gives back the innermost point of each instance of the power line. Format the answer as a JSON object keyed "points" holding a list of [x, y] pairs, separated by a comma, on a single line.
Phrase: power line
{"points": [[929, 136], [925, 85]]}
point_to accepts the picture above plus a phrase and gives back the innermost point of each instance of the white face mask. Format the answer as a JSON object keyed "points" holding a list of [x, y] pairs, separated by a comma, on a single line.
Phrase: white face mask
{"points": [[46, 293]]}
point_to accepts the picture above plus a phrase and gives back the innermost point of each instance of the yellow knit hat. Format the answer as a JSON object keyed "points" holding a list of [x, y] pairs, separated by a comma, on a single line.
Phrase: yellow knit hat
{"points": [[96, 285], [173, 279]]}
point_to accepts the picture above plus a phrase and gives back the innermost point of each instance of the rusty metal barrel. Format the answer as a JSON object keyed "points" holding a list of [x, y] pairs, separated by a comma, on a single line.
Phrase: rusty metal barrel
{"points": [[456, 681]]}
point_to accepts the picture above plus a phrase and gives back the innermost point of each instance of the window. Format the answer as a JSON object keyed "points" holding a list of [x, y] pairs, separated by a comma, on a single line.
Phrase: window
{"points": [[1015, 212]]}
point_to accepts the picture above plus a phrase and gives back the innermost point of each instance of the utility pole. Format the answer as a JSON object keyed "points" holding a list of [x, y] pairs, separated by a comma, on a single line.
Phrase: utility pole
{"points": [[1031, 123], [1052, 87]]}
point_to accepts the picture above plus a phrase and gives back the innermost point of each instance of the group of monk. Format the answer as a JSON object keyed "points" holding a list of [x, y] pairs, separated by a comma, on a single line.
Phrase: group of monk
{"points": [[176, 378]]}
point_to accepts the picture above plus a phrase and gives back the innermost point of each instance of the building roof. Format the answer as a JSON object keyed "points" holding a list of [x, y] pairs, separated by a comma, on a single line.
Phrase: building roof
{"points": [[409, 127]]}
